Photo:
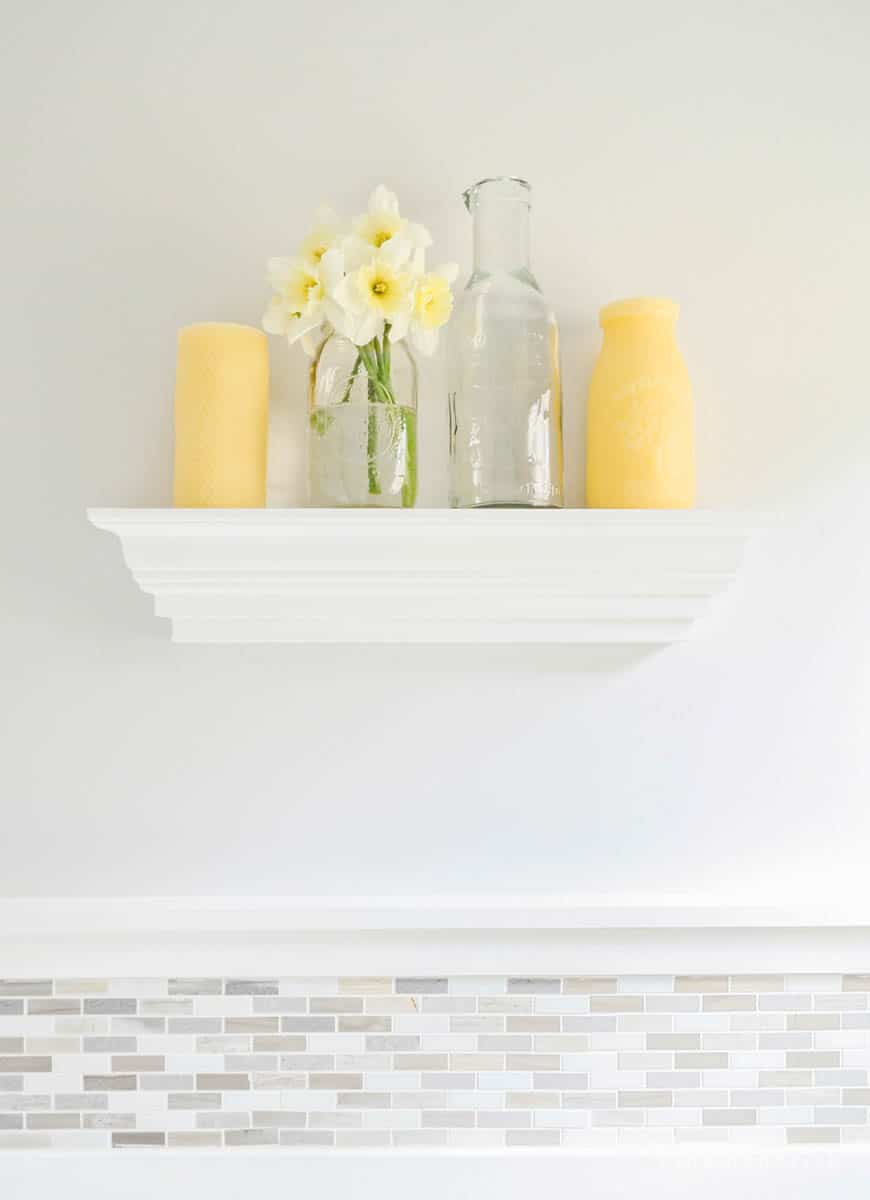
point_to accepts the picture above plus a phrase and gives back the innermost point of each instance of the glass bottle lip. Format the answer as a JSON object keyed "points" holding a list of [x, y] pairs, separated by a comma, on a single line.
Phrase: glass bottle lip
{"points": [[518, 186], [639, 306]]}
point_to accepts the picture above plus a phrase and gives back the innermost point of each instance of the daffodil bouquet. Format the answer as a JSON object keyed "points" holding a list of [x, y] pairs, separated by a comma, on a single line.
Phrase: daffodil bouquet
{"points": [[366, 284]]}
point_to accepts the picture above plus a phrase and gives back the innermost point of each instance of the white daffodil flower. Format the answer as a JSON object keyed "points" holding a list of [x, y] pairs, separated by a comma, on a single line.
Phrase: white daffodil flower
{"points": [[361, 283], [297, 307], [323, 237], [302, 295], [382, 225], [433, 304], [377, 292]]}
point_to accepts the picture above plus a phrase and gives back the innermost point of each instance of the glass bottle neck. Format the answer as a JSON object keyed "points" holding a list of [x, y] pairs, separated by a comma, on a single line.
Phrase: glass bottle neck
{"points": [[500, 210]]}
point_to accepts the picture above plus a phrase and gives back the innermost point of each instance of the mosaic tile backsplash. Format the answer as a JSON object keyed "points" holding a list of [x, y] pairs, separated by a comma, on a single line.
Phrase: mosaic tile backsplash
{"points": [[458, 1062]]}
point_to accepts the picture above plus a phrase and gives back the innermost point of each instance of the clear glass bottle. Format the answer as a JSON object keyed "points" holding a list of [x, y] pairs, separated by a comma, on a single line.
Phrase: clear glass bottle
{"points": [[505, 396], [362, 436]]}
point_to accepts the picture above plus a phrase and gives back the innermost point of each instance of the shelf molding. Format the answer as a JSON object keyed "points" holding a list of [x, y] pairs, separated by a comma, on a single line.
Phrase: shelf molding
{"points": [[570, 576], [454, 934], [35, 916]]}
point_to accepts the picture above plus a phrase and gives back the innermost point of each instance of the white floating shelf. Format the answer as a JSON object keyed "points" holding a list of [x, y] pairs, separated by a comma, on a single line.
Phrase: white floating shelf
{"points": [[430, 575]]}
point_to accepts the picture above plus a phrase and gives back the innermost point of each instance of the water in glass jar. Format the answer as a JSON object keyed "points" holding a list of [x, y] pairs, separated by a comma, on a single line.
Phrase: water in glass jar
{"points": [[360, 455]]}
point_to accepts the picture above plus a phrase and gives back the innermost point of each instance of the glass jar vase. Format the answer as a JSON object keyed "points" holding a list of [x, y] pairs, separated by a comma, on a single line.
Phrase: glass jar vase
{"points": [[362, 426], [505, 399]]}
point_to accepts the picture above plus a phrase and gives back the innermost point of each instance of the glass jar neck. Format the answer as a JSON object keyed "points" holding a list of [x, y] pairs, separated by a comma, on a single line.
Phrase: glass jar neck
{"points": [[500, 211]]}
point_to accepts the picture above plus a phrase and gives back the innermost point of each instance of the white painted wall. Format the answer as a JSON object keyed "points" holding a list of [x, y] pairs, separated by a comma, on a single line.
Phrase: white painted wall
{"points": [[154, 156]]}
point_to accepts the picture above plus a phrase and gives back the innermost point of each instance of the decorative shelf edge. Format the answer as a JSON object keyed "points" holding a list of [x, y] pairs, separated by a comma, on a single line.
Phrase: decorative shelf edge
{"points": [[54, 916], [430, 575], [478, 935]]}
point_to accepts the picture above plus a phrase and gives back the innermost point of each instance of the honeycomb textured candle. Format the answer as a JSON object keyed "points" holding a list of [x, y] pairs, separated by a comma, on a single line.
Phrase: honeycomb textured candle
{"points": [[221, 417], [640, 449]]}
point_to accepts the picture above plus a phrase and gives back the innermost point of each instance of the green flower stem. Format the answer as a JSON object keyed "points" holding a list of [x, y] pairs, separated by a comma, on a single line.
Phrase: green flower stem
{"points": [[385, 353], [351, 379], [378, 390], [372, 442], [409, 487], [371, 366], [376, 358]]}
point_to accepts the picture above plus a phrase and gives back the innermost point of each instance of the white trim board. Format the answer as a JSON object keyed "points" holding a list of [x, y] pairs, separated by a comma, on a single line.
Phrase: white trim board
{"points": [[55, 915], [682, 1174], [419, 935]]}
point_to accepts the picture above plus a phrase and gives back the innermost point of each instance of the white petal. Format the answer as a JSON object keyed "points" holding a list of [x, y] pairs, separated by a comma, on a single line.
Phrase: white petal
{"points": [[343, 323], [356, 252], [332, 268], [314, 308], [370, 326], [395, 251], [425, 340], [399, 327], [373, 325], [274, 318], [383, 200], [448, 272], [417, 264], [419, 235], [345, 294], [334, 313], [310, 342], [299, 326]]}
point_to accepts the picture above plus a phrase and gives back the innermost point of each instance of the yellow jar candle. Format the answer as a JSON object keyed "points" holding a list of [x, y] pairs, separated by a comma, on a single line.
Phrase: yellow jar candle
{"points": [[221, 417], [640, 439]]}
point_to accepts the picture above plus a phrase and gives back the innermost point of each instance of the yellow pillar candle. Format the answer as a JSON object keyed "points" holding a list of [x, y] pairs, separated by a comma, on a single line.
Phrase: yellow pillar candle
{"points": [[221, 417], [640, 441]]}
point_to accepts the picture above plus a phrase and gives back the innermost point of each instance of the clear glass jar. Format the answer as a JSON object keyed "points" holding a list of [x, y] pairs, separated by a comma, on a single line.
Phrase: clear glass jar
{"points": [[505, 396], [362, 438]]}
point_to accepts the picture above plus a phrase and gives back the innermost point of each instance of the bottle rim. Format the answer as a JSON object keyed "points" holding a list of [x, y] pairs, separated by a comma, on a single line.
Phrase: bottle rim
{"points": [[639, 306], [470, 193]]}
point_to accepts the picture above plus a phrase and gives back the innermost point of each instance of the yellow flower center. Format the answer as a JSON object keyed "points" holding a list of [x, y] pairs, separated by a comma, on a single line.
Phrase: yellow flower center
{"points": [[302, 289], [380, 237], [385, 290], [434, 302], [318, 252]]}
